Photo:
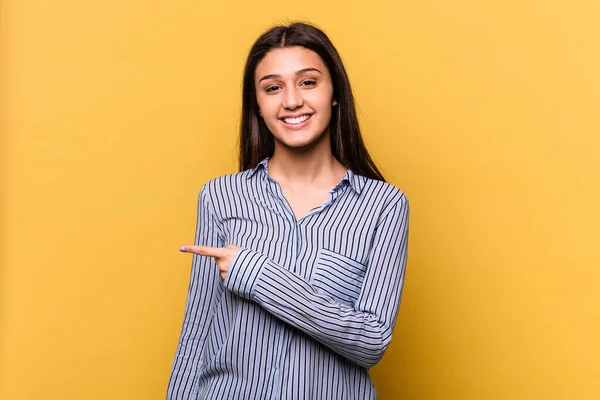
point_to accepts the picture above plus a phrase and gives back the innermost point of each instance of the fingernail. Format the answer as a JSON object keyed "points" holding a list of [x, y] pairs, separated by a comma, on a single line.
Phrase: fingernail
{"points": [[182, 248]]}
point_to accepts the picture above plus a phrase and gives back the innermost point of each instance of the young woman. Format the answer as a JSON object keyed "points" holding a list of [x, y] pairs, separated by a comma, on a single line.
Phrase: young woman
{"points": [[299, 259]]}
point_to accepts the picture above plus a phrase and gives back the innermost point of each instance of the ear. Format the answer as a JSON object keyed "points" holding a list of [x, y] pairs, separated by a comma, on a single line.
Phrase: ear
{"points": [[334, 103], [259, 112]]}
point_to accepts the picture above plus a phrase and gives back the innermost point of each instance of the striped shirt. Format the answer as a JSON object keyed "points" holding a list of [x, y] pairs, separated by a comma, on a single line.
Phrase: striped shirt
{"points": [[308, 305]]}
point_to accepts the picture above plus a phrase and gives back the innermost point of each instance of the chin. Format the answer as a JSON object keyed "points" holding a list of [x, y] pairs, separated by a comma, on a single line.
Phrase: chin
{"points": [[298, 139], [298, 142]]}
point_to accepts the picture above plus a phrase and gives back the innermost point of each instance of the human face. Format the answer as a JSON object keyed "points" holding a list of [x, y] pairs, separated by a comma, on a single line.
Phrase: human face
{"points": [[295, 95]]}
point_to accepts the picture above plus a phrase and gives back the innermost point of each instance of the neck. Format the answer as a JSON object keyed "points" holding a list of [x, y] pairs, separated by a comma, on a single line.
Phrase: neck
{"points": [[314, 166]]}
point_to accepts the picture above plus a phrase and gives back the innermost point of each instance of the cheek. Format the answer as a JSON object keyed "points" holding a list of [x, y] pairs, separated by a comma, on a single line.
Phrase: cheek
{"points": [[324, 108], [325, 118], [268, 112], [267, 106], [321, 100]]}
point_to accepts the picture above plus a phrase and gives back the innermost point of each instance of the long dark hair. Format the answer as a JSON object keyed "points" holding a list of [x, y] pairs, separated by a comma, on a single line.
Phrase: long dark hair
{"points": [[256, 142]]}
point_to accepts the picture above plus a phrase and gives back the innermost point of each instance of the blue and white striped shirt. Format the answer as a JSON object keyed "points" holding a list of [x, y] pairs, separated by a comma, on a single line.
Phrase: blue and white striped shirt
{"points": [[307, 305]]}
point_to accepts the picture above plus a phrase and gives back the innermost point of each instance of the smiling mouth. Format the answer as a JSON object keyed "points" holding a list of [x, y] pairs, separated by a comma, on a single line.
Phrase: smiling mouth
{"points": [[296, 120]]}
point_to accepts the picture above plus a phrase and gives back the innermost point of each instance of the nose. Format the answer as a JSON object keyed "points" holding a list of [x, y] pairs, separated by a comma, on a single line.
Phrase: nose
{"points": [[292, 98]]}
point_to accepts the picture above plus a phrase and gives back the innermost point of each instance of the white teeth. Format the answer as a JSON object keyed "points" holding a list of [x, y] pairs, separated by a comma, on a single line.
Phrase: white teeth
{"points": [[296, 120]]}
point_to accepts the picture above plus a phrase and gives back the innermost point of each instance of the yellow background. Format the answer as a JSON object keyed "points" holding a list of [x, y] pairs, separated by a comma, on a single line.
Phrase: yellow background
{"points": [[115, 112]]}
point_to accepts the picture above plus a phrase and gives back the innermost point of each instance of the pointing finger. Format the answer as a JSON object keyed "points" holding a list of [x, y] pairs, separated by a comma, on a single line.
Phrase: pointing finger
{"points": [[202, 250]]}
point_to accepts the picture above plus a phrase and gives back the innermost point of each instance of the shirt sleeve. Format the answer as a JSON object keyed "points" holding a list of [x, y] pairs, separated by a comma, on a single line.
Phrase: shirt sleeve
{"points": [[204, 288], [361, 333]]}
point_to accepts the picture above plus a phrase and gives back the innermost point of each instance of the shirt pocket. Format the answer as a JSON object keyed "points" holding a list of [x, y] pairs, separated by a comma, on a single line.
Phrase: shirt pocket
{"points": [[338, 276]]}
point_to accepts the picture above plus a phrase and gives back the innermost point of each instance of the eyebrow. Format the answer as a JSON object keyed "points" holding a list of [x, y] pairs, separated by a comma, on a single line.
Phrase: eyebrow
{"points": [[300, 72]]}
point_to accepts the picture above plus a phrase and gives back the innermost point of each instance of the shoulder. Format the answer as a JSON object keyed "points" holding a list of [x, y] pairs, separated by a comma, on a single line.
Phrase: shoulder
{"points": [[384, 193], [224, 186], [226, 183], [386, 201]]}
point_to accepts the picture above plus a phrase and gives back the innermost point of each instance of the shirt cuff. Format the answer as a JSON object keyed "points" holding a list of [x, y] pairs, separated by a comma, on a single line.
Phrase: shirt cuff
{"points": [[244, 271]]}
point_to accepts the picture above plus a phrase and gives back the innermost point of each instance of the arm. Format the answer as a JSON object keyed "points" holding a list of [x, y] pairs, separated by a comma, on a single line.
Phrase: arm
{"points": [[202, 292], [360, 334]]}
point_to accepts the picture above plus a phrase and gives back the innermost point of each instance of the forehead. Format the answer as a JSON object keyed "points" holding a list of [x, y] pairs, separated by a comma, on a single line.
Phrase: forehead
{"points": [[288, 60]]}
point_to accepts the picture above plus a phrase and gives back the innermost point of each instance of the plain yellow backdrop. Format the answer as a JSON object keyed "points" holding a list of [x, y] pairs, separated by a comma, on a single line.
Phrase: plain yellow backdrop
{"points": [[115, 112]]}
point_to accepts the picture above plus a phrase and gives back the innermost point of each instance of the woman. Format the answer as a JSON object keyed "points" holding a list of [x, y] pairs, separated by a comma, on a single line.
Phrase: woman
{"points": [[299, 259]]}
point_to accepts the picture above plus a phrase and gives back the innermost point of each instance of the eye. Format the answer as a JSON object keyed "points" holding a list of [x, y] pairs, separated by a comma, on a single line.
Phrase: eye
{"points": [[271, 89], [309, 83]]}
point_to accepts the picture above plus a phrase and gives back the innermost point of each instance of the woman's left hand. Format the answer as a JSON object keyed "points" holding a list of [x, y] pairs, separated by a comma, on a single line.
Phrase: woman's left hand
{"points": [[222, 255]]}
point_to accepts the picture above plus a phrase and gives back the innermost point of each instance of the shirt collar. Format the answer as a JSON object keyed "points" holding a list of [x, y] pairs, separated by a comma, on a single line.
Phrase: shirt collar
{"points": [[356, 181], [261, 164]]}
